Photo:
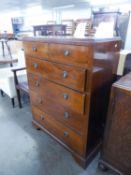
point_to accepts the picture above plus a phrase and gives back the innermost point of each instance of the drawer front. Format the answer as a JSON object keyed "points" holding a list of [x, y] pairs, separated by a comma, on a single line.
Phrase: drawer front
{"points": [[59, 112], [70, 54], [66, 75], [67, 136], [57, 94], [36, 49]]}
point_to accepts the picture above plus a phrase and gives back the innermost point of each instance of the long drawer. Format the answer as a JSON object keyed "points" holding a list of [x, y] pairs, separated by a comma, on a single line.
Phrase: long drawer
{"points": [[67, 136], [36, 49], [70, 54], [70, 76], [48, 91], [59, 112]]}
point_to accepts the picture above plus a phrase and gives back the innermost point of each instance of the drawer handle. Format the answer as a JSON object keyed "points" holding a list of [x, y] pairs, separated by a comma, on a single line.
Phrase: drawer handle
{"points": [[66, 52], [65, 74], [42, 117], [40, 101], [35, 65], [116, 45], [37, 84], [66, 134], [66, 96], [34, 49], [66, 115]]}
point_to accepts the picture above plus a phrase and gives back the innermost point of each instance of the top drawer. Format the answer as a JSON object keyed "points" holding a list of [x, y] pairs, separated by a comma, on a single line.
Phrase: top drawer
{"points": [[70, 54], [36, 49]]}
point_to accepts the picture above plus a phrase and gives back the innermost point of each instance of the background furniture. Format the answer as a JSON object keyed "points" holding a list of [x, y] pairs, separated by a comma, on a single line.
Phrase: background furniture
{"points": [[106, 16], [117, 141], [49, 29], [17, 24], [69, 84], [7, 36], [70, 26], [88, 25], [21, 86], [122, 26]]}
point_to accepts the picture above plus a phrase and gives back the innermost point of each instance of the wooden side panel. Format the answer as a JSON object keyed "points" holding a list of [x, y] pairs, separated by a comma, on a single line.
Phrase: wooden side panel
{"points": [[117, 147]]}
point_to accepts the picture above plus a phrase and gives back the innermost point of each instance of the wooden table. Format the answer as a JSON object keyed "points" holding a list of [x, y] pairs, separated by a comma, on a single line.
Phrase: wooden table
{"points": [[8, 61]]}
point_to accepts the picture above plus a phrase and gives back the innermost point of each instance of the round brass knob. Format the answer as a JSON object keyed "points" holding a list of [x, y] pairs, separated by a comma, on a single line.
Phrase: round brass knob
{"points": [[66, 96], [66, 52], [66, 134], [66, 115], [37, 84], [35, 65], [40, 101], [116, 45], [34, 49], [65, 74], [42, 117]]}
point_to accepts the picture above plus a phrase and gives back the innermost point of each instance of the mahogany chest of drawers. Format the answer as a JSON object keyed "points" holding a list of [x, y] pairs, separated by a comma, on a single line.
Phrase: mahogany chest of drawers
{"points": [[69, 83], [116, 152]]}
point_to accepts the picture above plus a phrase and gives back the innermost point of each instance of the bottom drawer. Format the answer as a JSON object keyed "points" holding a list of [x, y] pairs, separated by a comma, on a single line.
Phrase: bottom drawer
{"points": [[67, 136]]}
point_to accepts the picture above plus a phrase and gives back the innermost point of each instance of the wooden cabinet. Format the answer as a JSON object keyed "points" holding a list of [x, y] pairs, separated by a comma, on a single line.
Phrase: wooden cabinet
{"points": [[116, 152], [69, 82]]}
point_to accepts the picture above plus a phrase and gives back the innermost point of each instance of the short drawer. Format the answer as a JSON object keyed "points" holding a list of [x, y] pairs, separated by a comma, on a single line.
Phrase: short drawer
{"points": [[70, 54], [36, 49], [64, 134], [51, 92], [70, 76]]}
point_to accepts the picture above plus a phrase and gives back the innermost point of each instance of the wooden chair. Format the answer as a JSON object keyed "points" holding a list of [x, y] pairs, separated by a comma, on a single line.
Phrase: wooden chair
{"points": [[21, 86]]}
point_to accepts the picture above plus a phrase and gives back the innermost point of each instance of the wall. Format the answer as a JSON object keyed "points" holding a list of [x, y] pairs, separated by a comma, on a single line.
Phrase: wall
{"points": [[76, 14]]}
